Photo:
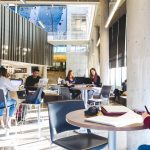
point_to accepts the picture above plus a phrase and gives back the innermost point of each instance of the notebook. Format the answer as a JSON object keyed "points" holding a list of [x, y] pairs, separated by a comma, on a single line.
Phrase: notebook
{"points": [[114, 110], [119, 121]]}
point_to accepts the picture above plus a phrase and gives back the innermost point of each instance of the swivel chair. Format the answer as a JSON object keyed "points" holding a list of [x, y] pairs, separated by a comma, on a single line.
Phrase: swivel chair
{"points": [[103, 97], [57, 122]]}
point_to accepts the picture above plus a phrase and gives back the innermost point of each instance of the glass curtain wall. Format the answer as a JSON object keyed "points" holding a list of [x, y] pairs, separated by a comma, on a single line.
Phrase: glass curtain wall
{"points": [[117, 52]]}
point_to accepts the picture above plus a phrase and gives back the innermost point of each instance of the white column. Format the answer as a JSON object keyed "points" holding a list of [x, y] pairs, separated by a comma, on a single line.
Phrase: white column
{"points": [[90, 55], [104, 44], [45, 71], [138, 64], [96, 64]]}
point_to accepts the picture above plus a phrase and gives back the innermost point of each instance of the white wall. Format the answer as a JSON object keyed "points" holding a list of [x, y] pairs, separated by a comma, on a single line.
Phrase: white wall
{"points": [[78, 62]]}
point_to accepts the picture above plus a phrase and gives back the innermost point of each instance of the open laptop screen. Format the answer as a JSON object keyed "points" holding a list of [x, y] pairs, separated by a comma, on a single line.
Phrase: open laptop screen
{"points": [[16, 82]]}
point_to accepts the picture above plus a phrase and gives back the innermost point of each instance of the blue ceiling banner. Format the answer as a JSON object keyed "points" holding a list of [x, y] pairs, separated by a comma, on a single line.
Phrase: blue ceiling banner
{"points": [[51, 18]]}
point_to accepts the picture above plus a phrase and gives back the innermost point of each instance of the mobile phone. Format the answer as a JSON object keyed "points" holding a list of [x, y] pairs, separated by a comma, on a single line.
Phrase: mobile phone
{"points": [[147, 110]]}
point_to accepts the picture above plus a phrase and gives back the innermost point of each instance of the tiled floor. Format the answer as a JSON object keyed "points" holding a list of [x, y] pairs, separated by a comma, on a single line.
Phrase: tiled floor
{"points": [[29, 137]]}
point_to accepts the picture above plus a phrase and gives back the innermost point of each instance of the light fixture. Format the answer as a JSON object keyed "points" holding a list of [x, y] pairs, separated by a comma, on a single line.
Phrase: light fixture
{"points": [[41, 24], [16, 8], [112, 13], [98, 42], [23, 1]]}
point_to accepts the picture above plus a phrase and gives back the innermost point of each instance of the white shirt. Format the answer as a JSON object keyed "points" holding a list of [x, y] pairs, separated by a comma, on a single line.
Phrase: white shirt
{"points": [[6, 85]]}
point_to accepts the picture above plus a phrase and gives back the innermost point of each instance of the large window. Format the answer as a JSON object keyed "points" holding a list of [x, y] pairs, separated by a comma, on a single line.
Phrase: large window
{"points": [[117, 76], [78, 23], [117, 52]]}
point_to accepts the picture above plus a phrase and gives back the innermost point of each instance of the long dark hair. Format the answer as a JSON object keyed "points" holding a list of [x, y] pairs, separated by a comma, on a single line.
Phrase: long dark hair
{"points": [[93, 78], [68, 75], [3, 72]]}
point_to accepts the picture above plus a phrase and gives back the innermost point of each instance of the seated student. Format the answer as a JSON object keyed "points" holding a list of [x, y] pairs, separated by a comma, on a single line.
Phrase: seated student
{"points": [[96, 80], [6, 86], [70, 80], [146, 118], [124, 86], [31, 83]]}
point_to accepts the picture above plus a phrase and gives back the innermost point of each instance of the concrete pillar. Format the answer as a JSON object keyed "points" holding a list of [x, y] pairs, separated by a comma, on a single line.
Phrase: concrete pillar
{"points": [[45, 71], [96, 64], [138, 64], [90, 55], [104, 44]]}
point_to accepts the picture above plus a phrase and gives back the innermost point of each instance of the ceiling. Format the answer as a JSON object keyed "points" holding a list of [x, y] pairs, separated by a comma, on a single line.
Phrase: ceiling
{"points": [[49, 18], [50, 1], [120, 12]]}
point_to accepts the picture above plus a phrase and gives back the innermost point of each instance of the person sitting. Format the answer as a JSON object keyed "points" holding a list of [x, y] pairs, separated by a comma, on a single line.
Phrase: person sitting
{"points": [[70, 81], [146, 120], [96, 80], [6, 86], [32, 81], [124, 86]]}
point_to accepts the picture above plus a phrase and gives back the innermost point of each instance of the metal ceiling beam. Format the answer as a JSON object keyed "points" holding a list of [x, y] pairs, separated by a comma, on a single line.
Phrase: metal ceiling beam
{"points": [[50, 2]]}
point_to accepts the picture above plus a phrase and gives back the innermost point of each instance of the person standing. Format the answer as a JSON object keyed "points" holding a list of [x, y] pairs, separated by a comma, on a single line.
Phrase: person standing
{"points": [[6, 86]]}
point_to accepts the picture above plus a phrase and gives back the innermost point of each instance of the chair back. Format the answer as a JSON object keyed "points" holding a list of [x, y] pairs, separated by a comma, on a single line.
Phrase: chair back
{"points": [[35, 98], [105, 92], [2, 97], [57, 115], [21, 94], [64, 92]]}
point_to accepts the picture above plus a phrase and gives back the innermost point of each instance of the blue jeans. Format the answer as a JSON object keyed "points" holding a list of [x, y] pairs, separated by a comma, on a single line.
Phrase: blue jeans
{"points": [[11, 104], [144, 147]]}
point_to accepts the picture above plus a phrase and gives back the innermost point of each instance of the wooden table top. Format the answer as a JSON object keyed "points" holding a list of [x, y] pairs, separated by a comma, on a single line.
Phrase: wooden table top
{"points": [[77, 118]]}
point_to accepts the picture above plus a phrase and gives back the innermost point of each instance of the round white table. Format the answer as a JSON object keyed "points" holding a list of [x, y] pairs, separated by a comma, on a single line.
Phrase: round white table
{"points": [[77, 118]]}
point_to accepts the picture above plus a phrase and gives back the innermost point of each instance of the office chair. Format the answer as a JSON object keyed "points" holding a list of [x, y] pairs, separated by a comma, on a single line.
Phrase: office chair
{"points": [[3, 100], [57, 121], [7, 107], [65, 93], [103, 97], [32, 100]]}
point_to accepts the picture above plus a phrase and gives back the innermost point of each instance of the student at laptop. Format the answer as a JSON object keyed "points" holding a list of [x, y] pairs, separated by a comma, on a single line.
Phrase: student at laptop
{"points": [[6, 86], [70, 81], [96, 80], [146, 118], [32, 81]]}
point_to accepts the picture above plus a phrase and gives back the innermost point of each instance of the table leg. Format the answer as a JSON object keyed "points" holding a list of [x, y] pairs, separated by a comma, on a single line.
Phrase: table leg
{"points": [[82, 94], [112, 140], [86, 98]]}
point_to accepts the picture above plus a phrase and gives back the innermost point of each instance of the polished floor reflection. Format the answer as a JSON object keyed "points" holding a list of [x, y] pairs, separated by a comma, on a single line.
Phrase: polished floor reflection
{"points": [[31, 136]]}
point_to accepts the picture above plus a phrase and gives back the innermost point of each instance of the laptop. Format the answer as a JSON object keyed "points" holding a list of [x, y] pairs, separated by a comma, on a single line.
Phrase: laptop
{"points": [[16, 82], [43, 82], [87, 81]]}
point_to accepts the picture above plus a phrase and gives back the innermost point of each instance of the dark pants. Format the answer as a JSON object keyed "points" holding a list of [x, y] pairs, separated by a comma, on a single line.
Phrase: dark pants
{"points": [[75, 93]]}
